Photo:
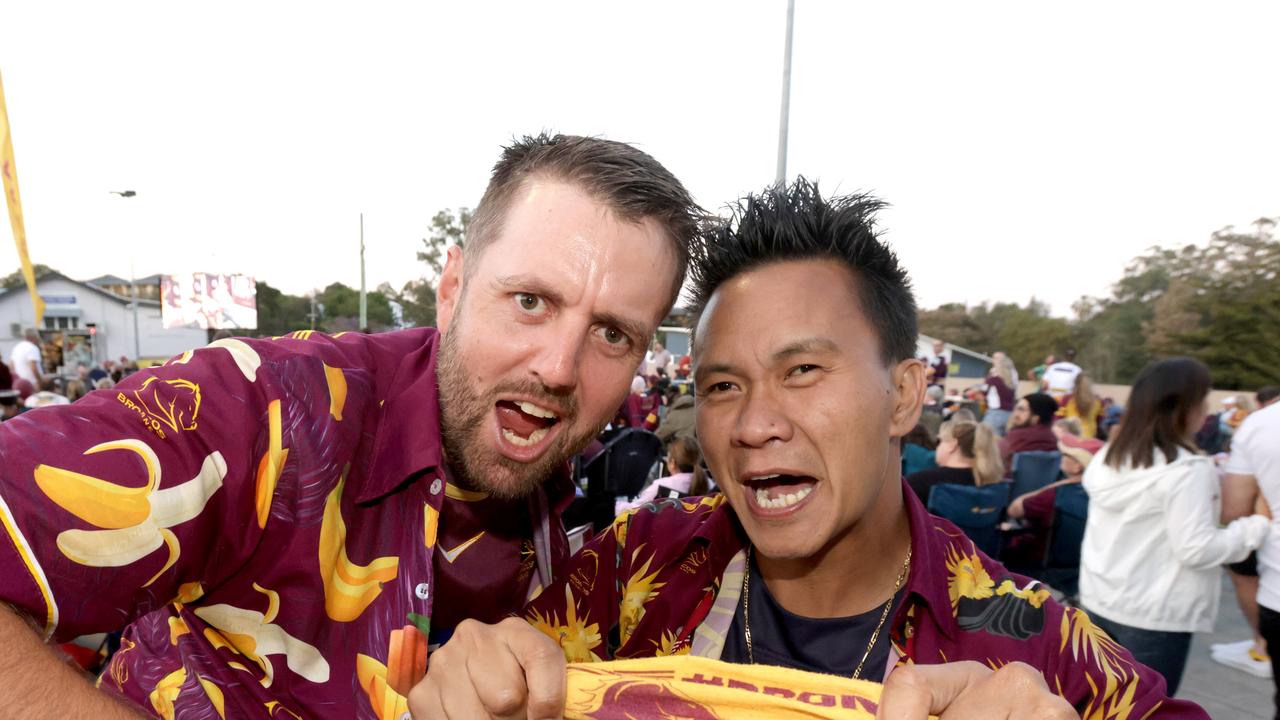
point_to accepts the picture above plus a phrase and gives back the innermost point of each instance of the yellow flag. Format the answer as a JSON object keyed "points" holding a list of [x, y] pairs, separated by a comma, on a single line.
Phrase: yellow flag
{"points": [[9, 171]]}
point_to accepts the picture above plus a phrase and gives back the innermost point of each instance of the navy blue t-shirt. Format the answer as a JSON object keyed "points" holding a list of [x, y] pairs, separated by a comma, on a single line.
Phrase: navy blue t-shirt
{"points": [[827, 645]]}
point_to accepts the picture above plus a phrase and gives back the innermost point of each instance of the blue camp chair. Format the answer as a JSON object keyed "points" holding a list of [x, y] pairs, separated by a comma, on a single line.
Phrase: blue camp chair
{"points": [[1034, 469], [976, 510], [1062, 557]]}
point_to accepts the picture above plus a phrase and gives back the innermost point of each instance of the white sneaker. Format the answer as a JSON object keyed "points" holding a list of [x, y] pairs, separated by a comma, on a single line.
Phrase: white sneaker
{"points": [[1232, 647], [1242, 658]]}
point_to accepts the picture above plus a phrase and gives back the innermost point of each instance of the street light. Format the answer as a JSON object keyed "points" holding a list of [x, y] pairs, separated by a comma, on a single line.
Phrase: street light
{"points": [[133, 289], [786, 96]]}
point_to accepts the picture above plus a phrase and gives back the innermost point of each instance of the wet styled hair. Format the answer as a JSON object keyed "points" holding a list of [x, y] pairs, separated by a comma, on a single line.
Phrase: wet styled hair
{"points": [[1165, 395], [794, 222], [627, 180]]}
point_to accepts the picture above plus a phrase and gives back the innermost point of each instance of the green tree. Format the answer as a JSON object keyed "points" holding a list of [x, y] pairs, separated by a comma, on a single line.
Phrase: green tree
{"points": [[418, 297], [15, 278], [955, 324], [1217, 302], [1236, 292], [1028, 334], [279, 313], [342, 309]]}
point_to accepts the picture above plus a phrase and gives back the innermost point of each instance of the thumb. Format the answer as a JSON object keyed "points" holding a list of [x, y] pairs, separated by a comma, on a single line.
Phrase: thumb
{"points": [[915, 692], [544, 670]]}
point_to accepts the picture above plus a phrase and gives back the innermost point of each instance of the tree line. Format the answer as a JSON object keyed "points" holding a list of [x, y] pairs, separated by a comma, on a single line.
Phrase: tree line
{"points": [[336, 307], [1218, 302]]}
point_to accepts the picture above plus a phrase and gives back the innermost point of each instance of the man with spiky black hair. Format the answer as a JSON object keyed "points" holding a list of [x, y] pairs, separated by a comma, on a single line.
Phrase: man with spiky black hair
{"points": [[817, 557]]}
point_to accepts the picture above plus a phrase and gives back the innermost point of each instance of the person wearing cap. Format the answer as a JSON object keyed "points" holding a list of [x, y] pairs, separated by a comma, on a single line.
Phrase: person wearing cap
{"points": [[1036, 508], [1031, 427]]}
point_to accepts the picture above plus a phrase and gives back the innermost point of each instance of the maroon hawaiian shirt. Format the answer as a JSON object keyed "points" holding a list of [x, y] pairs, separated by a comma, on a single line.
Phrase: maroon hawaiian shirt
{"points": [[666, 579], [270, 515]]}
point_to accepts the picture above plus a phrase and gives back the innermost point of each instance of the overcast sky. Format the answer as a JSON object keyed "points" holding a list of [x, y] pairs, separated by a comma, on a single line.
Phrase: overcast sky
{"points": [[1026, 148]]}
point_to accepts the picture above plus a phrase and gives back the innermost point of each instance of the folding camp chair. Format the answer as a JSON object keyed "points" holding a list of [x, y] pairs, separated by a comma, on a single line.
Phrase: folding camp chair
{"points": [[976, 510]]}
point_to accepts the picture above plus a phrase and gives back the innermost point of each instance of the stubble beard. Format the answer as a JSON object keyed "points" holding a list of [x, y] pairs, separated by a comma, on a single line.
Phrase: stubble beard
{"points": [[464, 408]]}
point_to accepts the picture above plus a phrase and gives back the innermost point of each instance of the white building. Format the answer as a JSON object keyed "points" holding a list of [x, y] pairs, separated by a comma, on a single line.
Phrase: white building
{"points": [[962, 362], [85, 312]]}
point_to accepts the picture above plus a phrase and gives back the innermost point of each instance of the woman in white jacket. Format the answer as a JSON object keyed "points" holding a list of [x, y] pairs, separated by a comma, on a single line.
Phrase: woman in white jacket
{"points": [[1150, 567]]}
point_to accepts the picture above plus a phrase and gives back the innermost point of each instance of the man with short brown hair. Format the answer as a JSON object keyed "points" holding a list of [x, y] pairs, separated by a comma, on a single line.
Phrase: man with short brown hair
{"points": [[288, 522]]}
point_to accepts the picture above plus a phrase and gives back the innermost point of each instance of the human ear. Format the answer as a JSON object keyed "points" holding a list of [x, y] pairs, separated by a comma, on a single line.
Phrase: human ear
{"points": [[449, 291], [909, 384]]}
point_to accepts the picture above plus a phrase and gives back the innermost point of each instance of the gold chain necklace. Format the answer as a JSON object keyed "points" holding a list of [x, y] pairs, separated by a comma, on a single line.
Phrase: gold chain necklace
{"points": [[875, 634]]}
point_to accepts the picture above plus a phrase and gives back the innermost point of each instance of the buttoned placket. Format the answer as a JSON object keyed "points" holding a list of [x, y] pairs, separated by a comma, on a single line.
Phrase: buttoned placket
{"points": [[424, 591]]}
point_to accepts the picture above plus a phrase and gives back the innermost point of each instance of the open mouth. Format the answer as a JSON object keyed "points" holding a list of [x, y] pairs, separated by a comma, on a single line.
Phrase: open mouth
{"points": [[525, 424], [778, 492]]}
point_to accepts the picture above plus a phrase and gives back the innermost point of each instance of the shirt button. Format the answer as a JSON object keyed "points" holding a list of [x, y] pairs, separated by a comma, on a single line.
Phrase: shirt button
{"points": [[423, 591], [436, 486]]}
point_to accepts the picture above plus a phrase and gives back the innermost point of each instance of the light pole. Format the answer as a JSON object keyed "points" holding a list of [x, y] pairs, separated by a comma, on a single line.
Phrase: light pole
{"points": [[786, 96], [133, 289]]}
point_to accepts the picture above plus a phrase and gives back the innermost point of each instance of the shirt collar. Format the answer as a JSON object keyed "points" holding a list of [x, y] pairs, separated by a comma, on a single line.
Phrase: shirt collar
{"points": [[928, 578], [408, 440]]}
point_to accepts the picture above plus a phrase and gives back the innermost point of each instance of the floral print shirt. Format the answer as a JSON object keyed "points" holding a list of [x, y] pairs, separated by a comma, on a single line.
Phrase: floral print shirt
{"points": [[665, 579], [275, 519]]}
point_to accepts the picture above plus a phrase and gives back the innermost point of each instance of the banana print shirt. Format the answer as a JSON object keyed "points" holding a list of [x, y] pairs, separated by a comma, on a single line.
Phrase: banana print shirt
{"points": [[275, 520], [666, 580]]}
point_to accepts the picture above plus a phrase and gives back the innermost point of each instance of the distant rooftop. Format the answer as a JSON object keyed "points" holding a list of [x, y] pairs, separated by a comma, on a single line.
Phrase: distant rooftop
{"points": [[109, 280]]}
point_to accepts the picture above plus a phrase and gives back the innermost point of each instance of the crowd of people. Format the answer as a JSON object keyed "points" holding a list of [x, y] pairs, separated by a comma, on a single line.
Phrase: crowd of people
{"points": [[25, 383], [347, 505], [1156, 538]]}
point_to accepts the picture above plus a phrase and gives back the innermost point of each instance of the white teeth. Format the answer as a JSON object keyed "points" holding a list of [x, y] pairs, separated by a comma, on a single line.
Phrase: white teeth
{"points": [[765, 477], [782, 501], [531, 409], [533, 439]]}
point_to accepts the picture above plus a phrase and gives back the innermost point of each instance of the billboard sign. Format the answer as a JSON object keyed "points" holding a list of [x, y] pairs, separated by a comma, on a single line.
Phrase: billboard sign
{"points": [[209, 301]]}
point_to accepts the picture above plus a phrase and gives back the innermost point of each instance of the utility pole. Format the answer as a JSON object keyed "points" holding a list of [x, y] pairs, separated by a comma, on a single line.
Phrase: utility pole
{"points": [[364, 298], [786, 96], [133, 289]]}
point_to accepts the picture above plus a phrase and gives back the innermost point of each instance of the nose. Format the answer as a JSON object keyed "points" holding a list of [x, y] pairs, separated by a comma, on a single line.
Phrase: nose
{"points": [[761, 421], [555, 363]]}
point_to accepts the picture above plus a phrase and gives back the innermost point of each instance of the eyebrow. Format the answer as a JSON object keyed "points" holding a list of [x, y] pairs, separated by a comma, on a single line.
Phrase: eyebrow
{"points": [[807, 345], [529, 283], [799, 347]]}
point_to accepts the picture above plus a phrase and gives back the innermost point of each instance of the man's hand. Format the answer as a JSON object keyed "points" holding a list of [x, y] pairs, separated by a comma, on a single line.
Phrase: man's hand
{"points": [[508, 670], [970, 691]]}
